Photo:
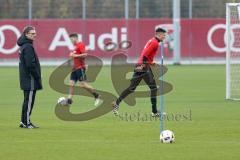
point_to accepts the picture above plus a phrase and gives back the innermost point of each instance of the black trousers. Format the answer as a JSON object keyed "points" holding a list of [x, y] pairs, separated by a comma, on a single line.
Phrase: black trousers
{"points": [[148, 77], [27, 106]]}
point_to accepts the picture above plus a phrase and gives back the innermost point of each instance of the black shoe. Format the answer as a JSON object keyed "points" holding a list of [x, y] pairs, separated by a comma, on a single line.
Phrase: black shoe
{"points": [[22, 125], [29, 126], [34, 126], [155, 114], [69, 101], [115, 108], [158, 114]]}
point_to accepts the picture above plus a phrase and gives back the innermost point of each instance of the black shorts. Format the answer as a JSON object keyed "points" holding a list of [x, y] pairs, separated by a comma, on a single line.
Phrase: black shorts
{"points": [[145, 74], [78, 75]]}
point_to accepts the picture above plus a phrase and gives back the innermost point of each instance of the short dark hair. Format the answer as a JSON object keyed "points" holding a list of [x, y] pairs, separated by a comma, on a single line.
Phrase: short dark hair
{"points": [[73, 35], [27, 29], [160, 30]]}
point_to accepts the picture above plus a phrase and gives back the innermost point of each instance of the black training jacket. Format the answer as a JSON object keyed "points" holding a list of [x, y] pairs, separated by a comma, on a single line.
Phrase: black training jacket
{"points": [[29, 66]]}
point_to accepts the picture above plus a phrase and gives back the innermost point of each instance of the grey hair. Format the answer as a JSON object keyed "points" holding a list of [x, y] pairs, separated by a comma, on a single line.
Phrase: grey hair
{"points": [[27, 29]]}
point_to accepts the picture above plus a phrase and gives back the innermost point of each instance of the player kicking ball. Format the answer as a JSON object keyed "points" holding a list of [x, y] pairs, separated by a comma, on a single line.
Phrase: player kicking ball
{"points": [[143, 71], [78, 73]]}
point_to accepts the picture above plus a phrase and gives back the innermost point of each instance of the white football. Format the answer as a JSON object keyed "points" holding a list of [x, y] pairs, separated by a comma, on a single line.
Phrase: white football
{"points": [[167, 136], [62, 101]]}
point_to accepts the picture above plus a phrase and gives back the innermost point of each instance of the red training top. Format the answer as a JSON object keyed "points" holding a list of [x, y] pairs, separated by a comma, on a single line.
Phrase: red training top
{"points": [[79, 62], [149, 51]]}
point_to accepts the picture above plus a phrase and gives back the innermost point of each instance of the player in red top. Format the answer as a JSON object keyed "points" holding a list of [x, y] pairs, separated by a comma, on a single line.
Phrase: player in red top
{"points": [[79, 68], [143, 71]]}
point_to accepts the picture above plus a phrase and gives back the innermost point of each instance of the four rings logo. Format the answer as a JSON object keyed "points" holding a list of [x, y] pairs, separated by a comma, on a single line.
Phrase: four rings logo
{"points": [[213, 29], [3, 39]]}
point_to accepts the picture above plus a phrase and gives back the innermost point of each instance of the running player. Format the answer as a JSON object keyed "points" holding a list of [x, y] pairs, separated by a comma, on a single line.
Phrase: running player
{"points": [[79, 68], [143, 71]]}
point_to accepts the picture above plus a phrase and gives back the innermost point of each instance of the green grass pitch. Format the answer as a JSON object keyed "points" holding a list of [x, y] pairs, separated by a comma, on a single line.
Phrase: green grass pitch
{"points": [[212, 134]]}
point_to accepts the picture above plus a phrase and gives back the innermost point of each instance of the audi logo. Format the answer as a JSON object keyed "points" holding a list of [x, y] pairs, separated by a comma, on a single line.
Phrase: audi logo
{"points": [[216, 27], [2, 39], [210, 41]]}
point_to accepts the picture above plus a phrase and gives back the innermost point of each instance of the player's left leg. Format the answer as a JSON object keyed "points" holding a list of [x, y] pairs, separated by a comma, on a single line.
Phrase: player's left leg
{"points": [[33, 100], [82, 77], [150, 81], [90, 89]]}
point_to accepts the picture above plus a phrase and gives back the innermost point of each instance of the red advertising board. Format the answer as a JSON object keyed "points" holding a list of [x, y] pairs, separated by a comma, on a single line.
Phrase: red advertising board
{"points": [[200, 38]]}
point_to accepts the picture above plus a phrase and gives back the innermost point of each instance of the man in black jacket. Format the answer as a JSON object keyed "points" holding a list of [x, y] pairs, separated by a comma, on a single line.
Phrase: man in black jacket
{"points": [[30, 74]]}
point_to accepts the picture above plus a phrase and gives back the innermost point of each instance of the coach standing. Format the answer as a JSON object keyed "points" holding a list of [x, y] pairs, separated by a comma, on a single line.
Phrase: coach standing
{"points": [[30, 74]]}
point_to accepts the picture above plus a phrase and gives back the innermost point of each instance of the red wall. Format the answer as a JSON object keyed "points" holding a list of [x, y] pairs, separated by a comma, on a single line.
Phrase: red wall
{"points": [[194, 35]]}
